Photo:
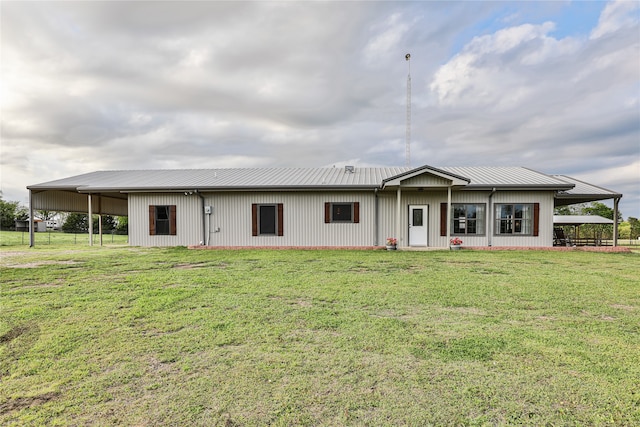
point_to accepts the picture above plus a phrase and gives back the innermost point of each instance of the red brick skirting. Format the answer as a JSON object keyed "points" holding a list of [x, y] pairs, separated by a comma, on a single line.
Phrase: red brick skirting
{"points": [[475, 248], [554, 248]]}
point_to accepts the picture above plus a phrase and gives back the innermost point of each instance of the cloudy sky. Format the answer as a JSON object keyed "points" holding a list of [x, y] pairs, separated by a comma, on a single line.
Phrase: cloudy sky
{"points": [[554, 86]]}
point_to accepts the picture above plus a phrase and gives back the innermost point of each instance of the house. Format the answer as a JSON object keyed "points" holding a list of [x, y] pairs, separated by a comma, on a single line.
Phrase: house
{"points": [[334, 207]]}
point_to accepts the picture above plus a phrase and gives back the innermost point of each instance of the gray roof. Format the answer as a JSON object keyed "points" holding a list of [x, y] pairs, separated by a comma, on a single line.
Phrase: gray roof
{"points": [[291, 178], [580, 219], [582, 192]]}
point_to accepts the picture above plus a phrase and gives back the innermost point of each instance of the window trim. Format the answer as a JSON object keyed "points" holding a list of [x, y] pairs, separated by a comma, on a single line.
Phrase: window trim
{"points": [[153, 218], [477, 220], [328, 213], [535, 219], [255, 219]]}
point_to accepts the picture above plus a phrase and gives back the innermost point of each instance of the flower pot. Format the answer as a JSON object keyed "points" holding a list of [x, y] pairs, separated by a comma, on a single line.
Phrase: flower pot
{"points": [[392, 247], [455, 247]]}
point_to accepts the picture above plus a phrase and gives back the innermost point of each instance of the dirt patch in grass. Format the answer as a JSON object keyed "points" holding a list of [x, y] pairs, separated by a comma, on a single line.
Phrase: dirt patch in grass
{"points": [[18, 403], [37, 264]]}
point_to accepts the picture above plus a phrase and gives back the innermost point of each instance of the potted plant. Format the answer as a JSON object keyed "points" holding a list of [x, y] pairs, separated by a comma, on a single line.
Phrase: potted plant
{"points": [[392, 243], [456, 243]]}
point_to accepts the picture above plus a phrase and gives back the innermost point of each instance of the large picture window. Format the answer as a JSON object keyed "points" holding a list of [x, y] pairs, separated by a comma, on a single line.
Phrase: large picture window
{"points": [[267, 219], [517, 219], [342, 212], [468, 219], [162, 220]]}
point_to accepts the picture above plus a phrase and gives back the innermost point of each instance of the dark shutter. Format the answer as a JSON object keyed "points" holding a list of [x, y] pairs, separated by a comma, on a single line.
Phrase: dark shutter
{"points": [[356, 212], [280, 219], [536, 219], [327, 213], [172, 220], [443, 219], [254, 219], [152, 220]]}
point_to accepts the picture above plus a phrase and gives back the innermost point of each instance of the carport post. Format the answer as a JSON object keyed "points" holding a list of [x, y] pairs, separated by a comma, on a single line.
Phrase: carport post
{"points": [[90, 219], [32, 240], [615, 221]]}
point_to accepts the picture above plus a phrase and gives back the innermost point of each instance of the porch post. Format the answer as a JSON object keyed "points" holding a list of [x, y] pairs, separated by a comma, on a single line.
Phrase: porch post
{"points": [[99, 218], [32, 240], [615, 221], [398, 213], [448, 215], [90, 220]]}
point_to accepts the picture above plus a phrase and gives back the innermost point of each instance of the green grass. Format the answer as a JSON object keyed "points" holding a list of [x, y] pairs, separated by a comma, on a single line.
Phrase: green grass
{"points": [[147, 337], [57, 238]]}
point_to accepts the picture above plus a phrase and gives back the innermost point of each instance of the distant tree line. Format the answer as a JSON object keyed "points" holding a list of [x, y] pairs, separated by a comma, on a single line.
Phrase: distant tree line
{"points": [[629, 229], [10, 212]]}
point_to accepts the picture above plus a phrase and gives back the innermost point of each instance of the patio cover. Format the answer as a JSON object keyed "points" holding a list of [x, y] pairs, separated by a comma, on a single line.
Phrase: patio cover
{"points": [[580, 220]]}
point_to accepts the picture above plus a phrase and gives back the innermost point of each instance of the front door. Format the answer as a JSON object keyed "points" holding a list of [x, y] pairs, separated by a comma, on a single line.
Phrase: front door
{"points": [[418, 225]]}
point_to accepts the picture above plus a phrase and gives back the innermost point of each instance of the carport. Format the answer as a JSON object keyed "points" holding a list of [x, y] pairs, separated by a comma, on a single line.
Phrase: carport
{"points": [[576, 221], [583, 192]]}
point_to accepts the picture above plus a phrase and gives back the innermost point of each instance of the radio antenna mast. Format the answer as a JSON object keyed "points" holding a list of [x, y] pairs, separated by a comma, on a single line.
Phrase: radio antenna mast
{"points": [[407, 57]]}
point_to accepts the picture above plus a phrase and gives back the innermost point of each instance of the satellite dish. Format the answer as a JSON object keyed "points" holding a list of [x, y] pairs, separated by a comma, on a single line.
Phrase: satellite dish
{"points": [[407, 56]]}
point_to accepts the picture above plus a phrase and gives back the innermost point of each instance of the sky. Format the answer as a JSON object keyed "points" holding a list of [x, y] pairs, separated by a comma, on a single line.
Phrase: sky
{"points": [[553, 86]]}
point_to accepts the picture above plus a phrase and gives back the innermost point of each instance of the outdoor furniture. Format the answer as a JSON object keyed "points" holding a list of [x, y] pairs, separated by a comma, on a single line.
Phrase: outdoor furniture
{"points": [[559, 239]]}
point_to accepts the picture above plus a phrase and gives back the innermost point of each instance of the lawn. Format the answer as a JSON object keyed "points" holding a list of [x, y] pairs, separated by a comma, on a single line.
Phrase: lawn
{"points": [[150, 337]]}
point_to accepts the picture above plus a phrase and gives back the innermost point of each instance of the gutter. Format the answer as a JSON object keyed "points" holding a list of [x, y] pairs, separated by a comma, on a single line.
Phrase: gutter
{"points": [[204, 229]]}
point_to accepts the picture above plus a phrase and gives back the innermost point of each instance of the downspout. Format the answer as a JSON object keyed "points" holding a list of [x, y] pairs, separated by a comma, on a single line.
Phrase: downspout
{"points": [[375, 219], [490, 216], [204, 230]]}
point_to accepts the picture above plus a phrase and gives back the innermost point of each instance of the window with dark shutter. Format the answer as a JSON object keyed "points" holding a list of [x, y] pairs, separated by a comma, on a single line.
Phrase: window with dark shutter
{"points": [[443, 219], [162, 220], [342, 212], [267, 219]]}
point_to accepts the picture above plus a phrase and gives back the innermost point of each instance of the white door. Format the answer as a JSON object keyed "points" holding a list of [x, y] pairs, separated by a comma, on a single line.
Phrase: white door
{"points": [[418, 225]]}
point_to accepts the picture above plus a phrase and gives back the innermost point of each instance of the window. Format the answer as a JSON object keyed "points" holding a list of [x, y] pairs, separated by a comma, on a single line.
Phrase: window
{"points": [[162, 220], [342, 212], [517, 219], [468, 219], [267, 219]]}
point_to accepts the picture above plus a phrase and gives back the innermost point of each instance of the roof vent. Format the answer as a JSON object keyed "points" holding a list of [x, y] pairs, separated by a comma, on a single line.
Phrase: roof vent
{"points": [[349, 169]]}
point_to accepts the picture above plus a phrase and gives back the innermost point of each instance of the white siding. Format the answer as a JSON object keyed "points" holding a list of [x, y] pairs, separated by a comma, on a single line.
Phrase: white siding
{"points": [[230, 222], [433, 199], [303, 219], [188, 219]]}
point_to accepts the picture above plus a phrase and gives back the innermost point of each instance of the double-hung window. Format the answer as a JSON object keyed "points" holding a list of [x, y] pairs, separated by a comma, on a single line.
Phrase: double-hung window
{"points": [[468, 219], [517, 219], [346, 212]]}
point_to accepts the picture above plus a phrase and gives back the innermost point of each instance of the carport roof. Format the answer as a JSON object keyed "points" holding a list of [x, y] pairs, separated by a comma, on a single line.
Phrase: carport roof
{"points": [[582, 192]]}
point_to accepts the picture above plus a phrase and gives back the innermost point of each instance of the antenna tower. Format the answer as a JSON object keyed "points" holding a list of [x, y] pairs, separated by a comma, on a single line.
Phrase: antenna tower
{"points": [[407, 57]]}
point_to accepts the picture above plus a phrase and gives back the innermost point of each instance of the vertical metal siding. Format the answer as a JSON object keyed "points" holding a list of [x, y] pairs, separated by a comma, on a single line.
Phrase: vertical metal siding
{"points": [[303, 219], [188, 219]]}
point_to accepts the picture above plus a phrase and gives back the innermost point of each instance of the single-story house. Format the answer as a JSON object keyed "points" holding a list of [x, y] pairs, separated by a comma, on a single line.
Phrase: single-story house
{"points": [[328, 207]]}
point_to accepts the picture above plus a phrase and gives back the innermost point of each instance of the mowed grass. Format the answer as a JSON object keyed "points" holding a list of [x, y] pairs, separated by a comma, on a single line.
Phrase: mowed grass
{"points": [[151, 337]]}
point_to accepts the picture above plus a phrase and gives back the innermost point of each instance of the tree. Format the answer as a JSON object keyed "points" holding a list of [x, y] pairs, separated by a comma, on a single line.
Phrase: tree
{"points": [[10, 212], [634, 228], [123, 225], [75, 223]]}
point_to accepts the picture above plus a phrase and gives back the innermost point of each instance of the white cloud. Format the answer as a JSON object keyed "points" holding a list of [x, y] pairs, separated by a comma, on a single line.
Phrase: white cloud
{"points": [[120, 85], [616, 15]]}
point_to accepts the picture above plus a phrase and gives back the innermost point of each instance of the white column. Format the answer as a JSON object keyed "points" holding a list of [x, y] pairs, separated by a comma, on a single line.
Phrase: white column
{"points": [[398, 214], [32, 240], [90, 219], [615, 221], [448, 215]]}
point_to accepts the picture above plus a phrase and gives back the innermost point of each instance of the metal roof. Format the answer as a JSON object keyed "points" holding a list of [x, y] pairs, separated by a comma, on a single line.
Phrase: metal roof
{"points": [[582, 192], [291, 178], [580, 219]]}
